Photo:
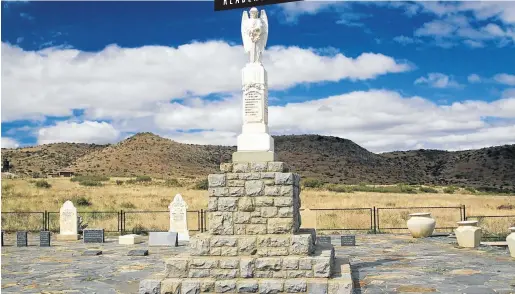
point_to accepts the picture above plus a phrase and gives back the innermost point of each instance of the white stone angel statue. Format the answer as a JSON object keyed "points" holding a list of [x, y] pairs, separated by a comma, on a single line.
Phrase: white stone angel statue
{"points": [[254, 32]]}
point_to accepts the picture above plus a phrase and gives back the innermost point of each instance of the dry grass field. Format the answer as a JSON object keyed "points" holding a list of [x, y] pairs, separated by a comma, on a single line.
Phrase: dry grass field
{"points": [[21, 195]]}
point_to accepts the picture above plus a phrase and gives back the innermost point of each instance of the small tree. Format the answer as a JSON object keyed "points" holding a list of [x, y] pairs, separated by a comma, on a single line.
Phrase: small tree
{"points": [[43, 184]]}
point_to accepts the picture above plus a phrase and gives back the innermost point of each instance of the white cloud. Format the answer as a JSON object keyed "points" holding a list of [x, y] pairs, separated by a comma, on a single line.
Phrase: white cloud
{"points": [[473, 22], [474, 78], [9, 143], [351, 19], [293, 10], [85, 132], [378, 120], [438, 80], [505, 79], [119, 82], [508, 93], [474, 44], [405, 40]]}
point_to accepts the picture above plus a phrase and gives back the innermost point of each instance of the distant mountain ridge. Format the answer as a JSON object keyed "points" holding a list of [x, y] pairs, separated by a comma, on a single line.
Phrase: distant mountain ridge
{"points": [[331, 159]]}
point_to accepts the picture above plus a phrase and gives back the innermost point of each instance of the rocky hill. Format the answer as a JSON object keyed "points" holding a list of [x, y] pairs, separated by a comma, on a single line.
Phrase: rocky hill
{"points": [[330, 159], [48, 158]]}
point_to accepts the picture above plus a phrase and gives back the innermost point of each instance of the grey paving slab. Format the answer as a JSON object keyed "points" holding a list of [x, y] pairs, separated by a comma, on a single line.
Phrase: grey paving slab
{"points": [[400, 264], [380, 264], [62, 268]]}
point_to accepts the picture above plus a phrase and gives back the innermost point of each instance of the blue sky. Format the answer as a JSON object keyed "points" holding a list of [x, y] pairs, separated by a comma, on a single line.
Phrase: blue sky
{"points": [[387, 75]]}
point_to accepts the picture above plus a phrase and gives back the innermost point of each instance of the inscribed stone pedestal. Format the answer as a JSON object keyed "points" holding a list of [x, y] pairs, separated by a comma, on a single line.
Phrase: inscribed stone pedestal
{"points": [[68, 222], [178, 218]]}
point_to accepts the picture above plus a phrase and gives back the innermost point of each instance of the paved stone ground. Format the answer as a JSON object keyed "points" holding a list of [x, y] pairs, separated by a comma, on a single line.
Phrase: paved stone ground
{"points": [[62, 268], [401, 264], [380, 264]]}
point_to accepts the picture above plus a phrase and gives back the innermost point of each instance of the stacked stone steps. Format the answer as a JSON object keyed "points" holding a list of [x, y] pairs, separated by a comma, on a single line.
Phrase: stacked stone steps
{"points": [[340, 282], [300, 243], [318, 265]]}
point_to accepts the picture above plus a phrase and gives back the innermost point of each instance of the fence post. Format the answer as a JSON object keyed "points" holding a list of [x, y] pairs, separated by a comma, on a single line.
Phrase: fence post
{"points": [[201, 218], [464, 212], [377, 220], [121, 221], [375, 231], [44, 220], [205, 222]]}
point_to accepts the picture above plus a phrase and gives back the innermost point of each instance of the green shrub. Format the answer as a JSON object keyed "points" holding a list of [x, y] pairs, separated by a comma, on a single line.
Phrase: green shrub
{"points": [[470, 189], [90, 183], [89, 178], [427, 190], [201, 185], [173, 183], [6, 188], [449, 190], [313, 183], [401, 188], [127, 205], [407, 189], [338, 188], [43, 184], [139, 230], [81, 201], [143, 179]]}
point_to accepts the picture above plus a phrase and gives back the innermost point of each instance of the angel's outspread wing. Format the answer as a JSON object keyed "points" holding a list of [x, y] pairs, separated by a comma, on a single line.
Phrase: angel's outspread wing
{"points": [[244, 31], [264, 36]]}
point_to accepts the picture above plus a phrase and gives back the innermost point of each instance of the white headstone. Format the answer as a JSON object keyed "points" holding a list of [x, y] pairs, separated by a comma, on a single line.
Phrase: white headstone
{"points": [[178, 218], [68, 219], [255, 136]]}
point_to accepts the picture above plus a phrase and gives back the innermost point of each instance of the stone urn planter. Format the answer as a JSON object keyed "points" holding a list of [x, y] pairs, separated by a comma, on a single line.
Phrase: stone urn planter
{"points": [[421, 225], [511, 241], [468, 234]]}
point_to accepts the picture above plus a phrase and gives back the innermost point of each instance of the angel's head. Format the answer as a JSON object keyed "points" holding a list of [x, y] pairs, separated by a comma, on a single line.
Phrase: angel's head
{"points": [[254, 12]]}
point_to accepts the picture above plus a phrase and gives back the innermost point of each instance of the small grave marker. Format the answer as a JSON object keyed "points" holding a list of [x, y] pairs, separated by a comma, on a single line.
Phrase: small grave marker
{"points": [[179, 218], [138, 252], [21, 239], [163, 239], [324, 239], [44, 239], [93, 236], [348, 240], [92, 252]]}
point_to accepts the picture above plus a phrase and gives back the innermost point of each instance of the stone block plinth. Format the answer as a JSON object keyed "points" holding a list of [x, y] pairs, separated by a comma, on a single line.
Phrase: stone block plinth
{"points": [[254, 243], [253, 199]]}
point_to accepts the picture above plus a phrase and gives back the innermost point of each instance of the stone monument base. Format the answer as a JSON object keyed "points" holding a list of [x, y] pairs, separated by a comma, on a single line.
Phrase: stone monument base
{"points": [[253, 156], [321, 272], [73, 237], [339, 282]]}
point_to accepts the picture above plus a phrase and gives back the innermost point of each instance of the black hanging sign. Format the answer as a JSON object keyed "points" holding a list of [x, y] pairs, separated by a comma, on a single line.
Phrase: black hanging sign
{"points": [[235, 4]]}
